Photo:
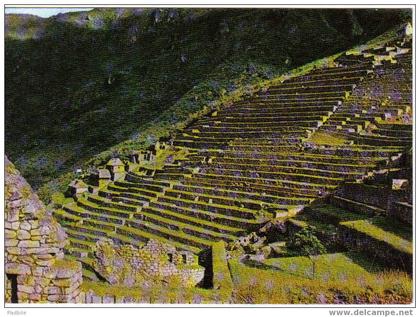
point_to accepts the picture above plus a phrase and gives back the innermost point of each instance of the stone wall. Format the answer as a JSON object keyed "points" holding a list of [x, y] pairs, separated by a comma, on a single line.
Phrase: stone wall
{"points": [[391, 257], [35, 268], [155, 262]]}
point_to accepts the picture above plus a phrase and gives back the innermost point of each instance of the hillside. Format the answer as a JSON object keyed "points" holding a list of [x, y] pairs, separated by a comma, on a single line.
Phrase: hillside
{"points": [[79, 83], [300, 193]]}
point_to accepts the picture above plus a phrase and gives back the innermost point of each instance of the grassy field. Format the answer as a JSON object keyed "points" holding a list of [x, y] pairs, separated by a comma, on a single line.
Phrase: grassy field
{"points": [[340, 278]]}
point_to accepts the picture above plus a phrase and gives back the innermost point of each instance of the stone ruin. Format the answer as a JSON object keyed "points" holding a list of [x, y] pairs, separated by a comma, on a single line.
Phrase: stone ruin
{"points": [[154, 263], [35, 267]]}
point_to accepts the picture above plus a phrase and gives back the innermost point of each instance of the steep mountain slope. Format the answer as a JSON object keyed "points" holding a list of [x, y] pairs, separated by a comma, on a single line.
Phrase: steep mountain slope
{"points": [[332, 141], [78, 83]]}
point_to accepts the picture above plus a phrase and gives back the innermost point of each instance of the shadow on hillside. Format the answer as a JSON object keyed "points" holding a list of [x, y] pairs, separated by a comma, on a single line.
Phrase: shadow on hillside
{"points": [[75, 92]]}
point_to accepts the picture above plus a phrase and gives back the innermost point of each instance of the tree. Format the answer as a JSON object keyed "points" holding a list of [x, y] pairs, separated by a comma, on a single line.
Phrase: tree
{"points": [[309, 245]]}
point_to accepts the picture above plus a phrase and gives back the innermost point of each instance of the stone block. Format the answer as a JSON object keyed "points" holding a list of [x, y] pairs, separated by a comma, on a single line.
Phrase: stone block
{"points": [[54, 290], [399, 184], [13, 250], [34, 297], [35, 232], [17, 268], [62, 282], [54, 298], [25, 225], [10, 234], [13, 215], [34, 224], [23, 297], [26, 259], [29, 244], [11, 225], [23, 235], [108, 300], [38, 289], [26, 289], [45, 262], [11, 242], [38, 271]]}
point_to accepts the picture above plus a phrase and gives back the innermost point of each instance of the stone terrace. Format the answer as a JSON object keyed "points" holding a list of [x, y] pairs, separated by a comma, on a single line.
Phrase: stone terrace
{"points": [[254, 160]]}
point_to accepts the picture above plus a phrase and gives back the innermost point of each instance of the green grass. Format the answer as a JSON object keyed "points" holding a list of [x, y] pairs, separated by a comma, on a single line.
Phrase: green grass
{"points": [[326, 138], [384, 229], [343, 278], [329, 267], [169, 294]]}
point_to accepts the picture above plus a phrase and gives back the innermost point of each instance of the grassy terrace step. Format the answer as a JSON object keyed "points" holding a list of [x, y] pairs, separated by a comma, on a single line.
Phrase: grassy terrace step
{"points": [[265, 141], [310, 106], [262, 148], [334, 80], [394, 133], [141, 236], [106, 203], [95, 207], [231, 211], [279, 168], [89, 215], [232, 199], [384, 229], [142, 184], [149, 215], [296, 98], [223, 136], [237, 194], [205, 215], [195, 221], [194, 144], [356, 206], [134, 188], [252, 187], [135, 178], [335, 87], [247, 104], [291, 101], [148, 231], [78, 232], [303, 162], [378, 152], [253, 125], [124, 197], [269, 181], [332, 214], [299, 162], [171, 176], [81, 244], [310, 94], [331, 73], [261, 142], [272, 126], [167, 231], [95, 228], [260, 176], [395, 126], [380, 140], [291, 156], [279, 117]]}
